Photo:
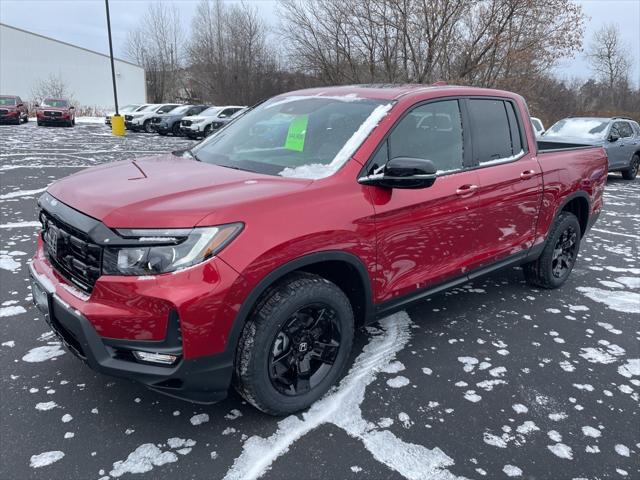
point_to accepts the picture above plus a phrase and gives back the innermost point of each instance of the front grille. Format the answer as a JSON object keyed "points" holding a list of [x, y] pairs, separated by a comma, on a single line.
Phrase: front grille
{"points": [[4, 111], [51, 113], [71, 253], [155, 120], [186, 123]]}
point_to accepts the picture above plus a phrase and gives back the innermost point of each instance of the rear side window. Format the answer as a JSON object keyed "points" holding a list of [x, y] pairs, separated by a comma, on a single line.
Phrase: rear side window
{"points": [[432, 132], [496, 132], [624, 129]]}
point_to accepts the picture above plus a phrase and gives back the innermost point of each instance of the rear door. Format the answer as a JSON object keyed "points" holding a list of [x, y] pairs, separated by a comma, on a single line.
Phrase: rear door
{"points": [[425, 236], [510, 180]]}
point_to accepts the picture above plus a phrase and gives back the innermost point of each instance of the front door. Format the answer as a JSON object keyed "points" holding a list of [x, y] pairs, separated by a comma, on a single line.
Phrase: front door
{"points": [[425, 236]]}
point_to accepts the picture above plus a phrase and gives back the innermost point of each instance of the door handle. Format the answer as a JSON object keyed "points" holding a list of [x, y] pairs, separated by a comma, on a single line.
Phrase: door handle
{"points": [[466, 190], [527, 174]]}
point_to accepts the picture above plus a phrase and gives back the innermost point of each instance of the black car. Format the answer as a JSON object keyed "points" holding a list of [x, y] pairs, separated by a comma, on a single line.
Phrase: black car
{"points": [[170, 122]]}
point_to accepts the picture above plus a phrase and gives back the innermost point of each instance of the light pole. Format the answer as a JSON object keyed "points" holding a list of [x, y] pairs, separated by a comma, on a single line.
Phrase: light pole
{"points": [[117, 122]]}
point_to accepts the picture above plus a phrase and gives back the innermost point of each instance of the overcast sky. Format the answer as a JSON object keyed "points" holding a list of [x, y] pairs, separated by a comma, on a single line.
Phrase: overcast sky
{"points": [[82, 22]]}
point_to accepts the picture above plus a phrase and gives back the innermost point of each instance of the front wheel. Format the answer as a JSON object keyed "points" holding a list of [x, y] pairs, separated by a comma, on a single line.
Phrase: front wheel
{"points": [[631, 172], [295, 345], [207, 131], [555, 263], [147, 126]]}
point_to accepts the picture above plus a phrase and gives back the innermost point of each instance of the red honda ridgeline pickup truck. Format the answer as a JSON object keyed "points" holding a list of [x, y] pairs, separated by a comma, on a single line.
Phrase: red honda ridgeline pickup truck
{"points": [[249, 259]]}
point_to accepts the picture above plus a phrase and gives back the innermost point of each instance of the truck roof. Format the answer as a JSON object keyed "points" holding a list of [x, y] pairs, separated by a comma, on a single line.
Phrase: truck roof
{"points": [[392, 91]]}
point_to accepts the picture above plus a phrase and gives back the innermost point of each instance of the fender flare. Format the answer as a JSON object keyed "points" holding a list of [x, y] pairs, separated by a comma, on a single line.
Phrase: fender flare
{"points": [[291, 266]]}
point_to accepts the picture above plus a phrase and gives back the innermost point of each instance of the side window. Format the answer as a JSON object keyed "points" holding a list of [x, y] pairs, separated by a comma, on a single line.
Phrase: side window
{"points": [[625, 130], [432, 132], [615, 129], [516, 135], [493, 136]]}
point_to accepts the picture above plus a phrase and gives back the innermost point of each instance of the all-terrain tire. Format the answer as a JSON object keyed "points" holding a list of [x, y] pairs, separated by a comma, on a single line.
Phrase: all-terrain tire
{"points": [[631, 172], [539, 273], [274, 309]]}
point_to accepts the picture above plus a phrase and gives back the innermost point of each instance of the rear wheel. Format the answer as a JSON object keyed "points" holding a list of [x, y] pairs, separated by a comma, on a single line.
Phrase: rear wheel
{"points": [[295, 345], [176, 129], [631, 172], [555, 263]]}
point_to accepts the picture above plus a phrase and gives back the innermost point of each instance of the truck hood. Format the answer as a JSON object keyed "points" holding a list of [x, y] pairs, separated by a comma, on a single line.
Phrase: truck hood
{"points": [[166, 191]]}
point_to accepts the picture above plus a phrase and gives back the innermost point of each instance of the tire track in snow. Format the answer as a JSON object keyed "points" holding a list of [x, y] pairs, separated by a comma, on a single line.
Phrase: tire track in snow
{"points": [[341, 407]]}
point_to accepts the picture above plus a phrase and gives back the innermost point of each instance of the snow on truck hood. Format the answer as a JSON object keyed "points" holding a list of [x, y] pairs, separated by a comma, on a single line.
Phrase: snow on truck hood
{"points": [[165, 191]]}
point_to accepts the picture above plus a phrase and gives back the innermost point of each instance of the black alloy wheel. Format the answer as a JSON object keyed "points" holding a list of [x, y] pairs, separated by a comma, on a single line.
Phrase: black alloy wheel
{"points": [[304, 350], [564, 253]]}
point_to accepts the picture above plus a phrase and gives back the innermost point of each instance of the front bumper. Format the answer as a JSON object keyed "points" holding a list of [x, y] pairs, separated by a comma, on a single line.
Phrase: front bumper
{"points": [[12, 117], [201, 380], [53, 120]]}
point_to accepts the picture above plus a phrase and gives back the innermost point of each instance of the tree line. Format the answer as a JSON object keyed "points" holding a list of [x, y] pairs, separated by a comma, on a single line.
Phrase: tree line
{"points": [[231, 56]]}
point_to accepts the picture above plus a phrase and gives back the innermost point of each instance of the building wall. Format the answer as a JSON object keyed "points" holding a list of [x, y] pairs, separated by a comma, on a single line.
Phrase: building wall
{"points": [[26, 58]]}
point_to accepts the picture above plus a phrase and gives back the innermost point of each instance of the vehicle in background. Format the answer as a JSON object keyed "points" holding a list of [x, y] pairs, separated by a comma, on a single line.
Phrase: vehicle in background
{"points": [[134, 107], [252, 258], [619, 136], [141, 120], [55, 111], [209, 120], [538, 127], [170, 122], [13, 110]]}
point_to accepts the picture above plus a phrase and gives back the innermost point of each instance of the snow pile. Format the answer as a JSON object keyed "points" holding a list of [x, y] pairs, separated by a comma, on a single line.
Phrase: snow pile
{"points": [[46, 458], [42, 354], [93, 120], [341, 407]]}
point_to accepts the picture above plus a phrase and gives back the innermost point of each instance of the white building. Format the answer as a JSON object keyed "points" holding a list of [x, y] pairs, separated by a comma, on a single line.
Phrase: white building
{"points": [[27, 58]]}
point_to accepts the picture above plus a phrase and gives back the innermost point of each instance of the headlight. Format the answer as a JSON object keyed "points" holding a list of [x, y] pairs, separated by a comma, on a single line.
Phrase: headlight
{"points": [[173, 249], [197, 120]]}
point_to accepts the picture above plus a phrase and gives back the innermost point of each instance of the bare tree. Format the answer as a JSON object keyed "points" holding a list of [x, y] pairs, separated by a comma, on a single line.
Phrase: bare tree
{"points": [[157, 45], [609, 59], [229, 56], [477, 42], [51, 87]]}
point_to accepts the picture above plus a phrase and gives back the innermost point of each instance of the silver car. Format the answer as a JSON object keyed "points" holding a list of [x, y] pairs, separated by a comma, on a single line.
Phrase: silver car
{"points": [[620, 137]]}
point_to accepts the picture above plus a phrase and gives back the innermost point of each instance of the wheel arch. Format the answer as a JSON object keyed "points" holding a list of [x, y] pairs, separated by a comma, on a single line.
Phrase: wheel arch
{"points": [[339, 267], [577, 203]]}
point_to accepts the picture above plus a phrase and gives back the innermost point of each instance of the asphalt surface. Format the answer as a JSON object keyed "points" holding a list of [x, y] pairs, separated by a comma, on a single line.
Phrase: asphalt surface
{"points": [[486, 381]]}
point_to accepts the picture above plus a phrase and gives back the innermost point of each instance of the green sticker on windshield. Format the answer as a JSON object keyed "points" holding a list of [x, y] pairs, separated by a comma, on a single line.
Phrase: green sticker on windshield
{"points": [[297, 133]]}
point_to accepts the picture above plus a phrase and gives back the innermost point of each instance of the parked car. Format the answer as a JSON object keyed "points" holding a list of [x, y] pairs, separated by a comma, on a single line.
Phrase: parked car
{"points": [[248, 262], [170, 122], [134, 107], [538, 127], [55, 111], [13, 110], [208, 121], [141, 120], [619, 136]]}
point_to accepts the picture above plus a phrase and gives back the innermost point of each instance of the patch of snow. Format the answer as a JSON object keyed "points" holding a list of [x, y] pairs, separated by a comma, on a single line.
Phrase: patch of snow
{"points": [[398, 382], [11, 311], [468, 362], [588, 431], [233, 414], [556, 417], [561, 450], [66, 418], [519, 408], [472, 396], [604, 355], [622, 450], [44, 406], [46, 458], [494, 440], [42, 354], [631, 368], [512, 471], [394, 367], [199, 419], [618, 300], [9, 343], [22, 193], [142, 460]]}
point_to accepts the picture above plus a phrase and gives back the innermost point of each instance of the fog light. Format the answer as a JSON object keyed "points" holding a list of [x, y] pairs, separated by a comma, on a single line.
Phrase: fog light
{"points": [[162, 358]]}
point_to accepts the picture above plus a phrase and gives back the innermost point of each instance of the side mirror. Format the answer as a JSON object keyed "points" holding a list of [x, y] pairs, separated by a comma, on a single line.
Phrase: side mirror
{"points": [[20, 105], [614, 137], [72, 108], [403, 172]]}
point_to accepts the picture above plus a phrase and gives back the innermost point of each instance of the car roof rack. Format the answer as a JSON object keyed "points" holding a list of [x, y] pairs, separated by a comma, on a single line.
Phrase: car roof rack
{"points": [[622, 118]]}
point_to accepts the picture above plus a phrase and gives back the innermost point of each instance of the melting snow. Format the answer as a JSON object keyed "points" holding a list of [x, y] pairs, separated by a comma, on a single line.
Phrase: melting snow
{"points": [[631, 368], [44, 406], [591, 432], [618, 300], [398, 382], [199, 419], [42, 354], [11, 311], [341, 407], [561, 450], [46, 458], [622, 450], [142, 460], [512, 471]]}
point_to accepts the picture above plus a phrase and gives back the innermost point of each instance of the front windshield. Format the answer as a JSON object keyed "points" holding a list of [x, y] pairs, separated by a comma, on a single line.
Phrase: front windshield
{"points": [[587, 128], [129, 108], [210, 112], [7, 101], [166, 108], [145, 107], [180, 110], [304, 137], [49, 102]]}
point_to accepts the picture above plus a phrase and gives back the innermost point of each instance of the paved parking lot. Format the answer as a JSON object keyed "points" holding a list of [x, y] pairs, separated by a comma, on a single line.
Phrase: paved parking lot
{"points": [[491, 380]]}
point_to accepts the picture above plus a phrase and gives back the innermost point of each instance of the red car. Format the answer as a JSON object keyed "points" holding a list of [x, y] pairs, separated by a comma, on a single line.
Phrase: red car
{"points": [[55, 111], [13, 110], [250, 259]]}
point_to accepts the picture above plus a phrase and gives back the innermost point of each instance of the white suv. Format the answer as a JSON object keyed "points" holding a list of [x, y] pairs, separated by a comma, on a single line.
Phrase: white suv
{"points": [[141, 119], [208, 121]]}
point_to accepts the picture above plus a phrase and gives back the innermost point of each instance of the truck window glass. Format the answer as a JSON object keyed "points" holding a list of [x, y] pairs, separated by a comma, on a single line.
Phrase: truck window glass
{"points": [[491, 128], [432, 132], [516, 135]]}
